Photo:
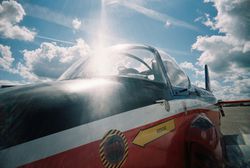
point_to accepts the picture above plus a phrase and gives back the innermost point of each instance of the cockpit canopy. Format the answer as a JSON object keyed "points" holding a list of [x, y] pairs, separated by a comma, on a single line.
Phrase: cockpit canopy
{"points": [[140, 62]]}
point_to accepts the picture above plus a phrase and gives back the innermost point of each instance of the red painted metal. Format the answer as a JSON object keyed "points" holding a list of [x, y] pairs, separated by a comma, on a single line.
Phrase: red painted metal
{"points": [[170, 150]]}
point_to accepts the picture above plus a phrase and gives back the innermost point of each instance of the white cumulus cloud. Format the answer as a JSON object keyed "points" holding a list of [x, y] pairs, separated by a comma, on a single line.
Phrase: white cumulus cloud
{"points": [[190, 66], [6, 58], [228, 54], [187, 65], [50, 60], [76, 23], [11, 14]]}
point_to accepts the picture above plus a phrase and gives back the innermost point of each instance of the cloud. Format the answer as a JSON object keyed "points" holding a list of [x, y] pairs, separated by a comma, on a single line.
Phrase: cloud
{"points": [[223, 54], [49, 61], [233, 18], [11, 14], [228, 54], [45, 63], [190, 66], [187, 65], [209, 22], [55, 40], [53, 16], [166, 19], [167, 24], [6, 58], [11, 82], [48, 15], [237, 90], [76, 23]]}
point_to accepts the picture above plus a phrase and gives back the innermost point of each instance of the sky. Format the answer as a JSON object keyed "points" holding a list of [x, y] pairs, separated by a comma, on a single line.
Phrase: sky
{"points": [[39, 40]]}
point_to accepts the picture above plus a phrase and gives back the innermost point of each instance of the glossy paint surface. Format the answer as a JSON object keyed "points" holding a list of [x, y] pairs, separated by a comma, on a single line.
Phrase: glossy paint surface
{"points": [[168, 150], [149, 123]]}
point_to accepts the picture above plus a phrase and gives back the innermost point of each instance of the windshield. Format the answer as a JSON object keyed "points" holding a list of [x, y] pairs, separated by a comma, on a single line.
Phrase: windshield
{"points": [[134, 62], [176, 75]]}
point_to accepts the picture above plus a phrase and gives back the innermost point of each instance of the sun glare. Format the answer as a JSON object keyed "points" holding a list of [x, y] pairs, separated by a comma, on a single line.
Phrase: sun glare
{"points": [[82, 85]]}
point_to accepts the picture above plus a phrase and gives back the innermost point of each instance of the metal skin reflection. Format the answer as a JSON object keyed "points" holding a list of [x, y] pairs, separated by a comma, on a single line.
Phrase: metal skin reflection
{"points": [[64, 123]]}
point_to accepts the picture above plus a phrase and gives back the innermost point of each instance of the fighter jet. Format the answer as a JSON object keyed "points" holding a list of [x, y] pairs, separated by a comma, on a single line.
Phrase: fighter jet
{"points": [[125, 106]]}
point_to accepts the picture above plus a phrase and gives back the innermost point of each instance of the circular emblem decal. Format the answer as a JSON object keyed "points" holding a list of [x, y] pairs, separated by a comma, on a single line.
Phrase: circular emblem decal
{"points": [[113, 149]]}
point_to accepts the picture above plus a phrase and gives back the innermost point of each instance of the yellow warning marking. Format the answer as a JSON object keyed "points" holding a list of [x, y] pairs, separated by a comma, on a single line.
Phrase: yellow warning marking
{"points": [[150, 134]]}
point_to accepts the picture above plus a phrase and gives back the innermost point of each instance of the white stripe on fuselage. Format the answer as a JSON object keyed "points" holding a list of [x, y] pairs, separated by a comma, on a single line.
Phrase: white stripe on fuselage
{"points": [[71, 138]]}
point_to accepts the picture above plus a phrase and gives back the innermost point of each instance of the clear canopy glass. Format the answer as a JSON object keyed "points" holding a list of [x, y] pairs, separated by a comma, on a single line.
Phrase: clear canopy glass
{"points": [[117, 61], [129, 61]]}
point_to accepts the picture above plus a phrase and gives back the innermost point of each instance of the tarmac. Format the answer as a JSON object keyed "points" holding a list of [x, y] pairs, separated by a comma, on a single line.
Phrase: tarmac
{"points": [[235, 127], [236, 120]]}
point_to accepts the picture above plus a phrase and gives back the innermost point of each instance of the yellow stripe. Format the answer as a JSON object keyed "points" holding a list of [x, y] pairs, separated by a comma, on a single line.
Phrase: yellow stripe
{"points": [[125, 156], [102, 155], [101, 148], [101, 144], [123, 137], [105, 163], [112, 132], [106, 134], [123, 160], [125, 142], [150, 134], [111, 165], [104, 140]]}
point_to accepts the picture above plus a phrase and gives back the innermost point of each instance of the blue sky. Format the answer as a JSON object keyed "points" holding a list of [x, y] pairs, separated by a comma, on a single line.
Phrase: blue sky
{"points": [[40, 39]]}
